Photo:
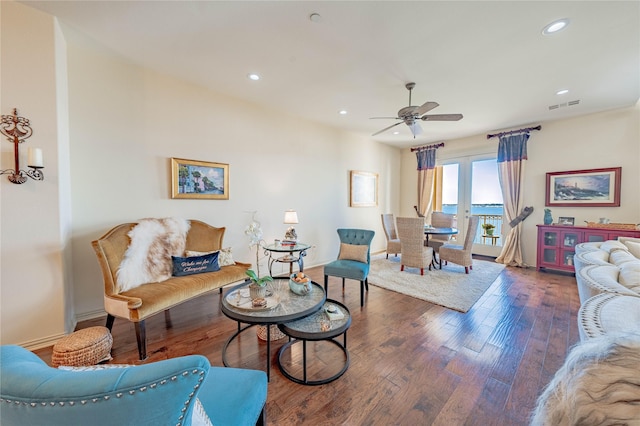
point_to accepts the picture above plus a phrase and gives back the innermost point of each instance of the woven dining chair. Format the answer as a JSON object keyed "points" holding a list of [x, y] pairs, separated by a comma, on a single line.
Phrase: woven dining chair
{"points": [[461, 254], [441, 220], [393, 242], [414, 253]]}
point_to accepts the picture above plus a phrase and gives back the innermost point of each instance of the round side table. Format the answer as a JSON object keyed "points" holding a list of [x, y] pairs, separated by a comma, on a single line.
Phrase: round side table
{"points": [[321, 325]]}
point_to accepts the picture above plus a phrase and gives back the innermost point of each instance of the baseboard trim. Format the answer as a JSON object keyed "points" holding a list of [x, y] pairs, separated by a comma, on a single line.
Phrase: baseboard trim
{"points": [[91, 315]]}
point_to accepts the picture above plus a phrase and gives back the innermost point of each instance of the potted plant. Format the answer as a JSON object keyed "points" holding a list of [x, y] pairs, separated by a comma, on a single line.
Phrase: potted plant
{"points": [[488, 228], [257, 288]]}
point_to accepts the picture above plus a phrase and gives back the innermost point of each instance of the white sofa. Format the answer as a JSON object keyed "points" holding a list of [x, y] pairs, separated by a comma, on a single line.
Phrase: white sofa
{"points": [[608, 279]]}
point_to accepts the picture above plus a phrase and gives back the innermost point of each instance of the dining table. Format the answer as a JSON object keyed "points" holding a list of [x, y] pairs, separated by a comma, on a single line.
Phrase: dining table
{"points": [[430, 230]]}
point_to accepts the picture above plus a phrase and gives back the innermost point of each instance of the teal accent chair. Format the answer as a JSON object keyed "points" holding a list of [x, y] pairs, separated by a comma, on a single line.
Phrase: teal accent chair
{"points": [[169, 392], [351, 269]]}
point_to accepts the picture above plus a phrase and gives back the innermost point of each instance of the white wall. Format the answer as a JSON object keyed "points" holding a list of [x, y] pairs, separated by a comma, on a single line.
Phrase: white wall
{"points": [[607, 139], [124, 125], [35, 300]]}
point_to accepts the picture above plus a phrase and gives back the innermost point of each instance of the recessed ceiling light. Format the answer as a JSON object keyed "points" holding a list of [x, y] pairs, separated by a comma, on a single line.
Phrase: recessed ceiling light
{"points": [[562, 92], [315, 17], [254, 77], [396, 132], [555, 26], [343, 112]]}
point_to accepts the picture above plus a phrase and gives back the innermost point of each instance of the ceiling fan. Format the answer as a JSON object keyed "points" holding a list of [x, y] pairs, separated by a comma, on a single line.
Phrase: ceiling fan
{"points": [[411, 115]]}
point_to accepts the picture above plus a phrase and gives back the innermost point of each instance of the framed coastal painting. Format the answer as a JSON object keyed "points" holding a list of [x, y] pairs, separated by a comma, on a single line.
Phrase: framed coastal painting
{"points": [[584, 188], [199, 179], [363, 189]]}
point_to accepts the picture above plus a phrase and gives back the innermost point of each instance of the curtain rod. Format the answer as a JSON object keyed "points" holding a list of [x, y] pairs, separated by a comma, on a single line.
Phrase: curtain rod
{"points": [[510, 132], [422, 148]]}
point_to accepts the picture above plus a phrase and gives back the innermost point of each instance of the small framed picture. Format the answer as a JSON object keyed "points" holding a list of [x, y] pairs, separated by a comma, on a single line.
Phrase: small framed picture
{"points": [[363, 189], [566, 221], [199, 179]]}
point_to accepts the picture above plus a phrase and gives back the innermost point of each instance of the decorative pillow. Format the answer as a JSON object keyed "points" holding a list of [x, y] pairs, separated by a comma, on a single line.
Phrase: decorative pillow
{"points": [[634, 248], [225, 258], [353, 252], [148, 257], [195, 264]]}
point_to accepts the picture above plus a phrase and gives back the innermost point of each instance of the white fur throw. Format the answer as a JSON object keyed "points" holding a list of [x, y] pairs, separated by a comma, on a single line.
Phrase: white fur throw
{"points": [[148, 257], [599, 384]]}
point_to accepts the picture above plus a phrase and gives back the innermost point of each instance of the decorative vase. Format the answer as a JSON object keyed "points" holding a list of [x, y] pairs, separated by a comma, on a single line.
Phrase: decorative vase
{"points": [[548, 219], [257, 291]]}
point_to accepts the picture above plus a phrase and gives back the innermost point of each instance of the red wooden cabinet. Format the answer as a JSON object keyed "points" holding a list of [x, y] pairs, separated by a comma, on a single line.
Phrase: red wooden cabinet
{"points": [[556, 244]]}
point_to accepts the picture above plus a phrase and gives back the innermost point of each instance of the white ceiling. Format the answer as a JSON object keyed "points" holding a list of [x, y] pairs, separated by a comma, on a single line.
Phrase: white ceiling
{"points": [[486, 60]]}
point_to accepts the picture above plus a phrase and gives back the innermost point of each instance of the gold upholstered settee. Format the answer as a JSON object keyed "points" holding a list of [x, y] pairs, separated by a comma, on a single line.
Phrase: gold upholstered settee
{"points": [[148, 299]]}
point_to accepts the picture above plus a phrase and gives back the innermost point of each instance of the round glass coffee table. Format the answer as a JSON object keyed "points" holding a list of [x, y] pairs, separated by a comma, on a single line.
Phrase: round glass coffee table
{"points": [[322, 325], [283, 305]]}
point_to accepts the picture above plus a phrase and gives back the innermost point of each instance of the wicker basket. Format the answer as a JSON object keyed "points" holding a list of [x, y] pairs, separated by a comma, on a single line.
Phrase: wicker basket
{"points": [[627, 226], [275, 333], [88, 346]]}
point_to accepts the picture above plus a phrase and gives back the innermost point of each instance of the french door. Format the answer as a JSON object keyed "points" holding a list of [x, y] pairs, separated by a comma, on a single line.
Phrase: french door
{"points": [[470, 186]]}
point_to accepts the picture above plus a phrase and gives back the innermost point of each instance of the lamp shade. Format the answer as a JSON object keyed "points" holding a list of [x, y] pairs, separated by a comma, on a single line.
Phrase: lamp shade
{"points": [[290, 216]]}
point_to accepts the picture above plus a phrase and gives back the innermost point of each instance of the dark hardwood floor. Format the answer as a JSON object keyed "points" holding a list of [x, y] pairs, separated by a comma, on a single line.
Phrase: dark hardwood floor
{"points": [[412, 363]]}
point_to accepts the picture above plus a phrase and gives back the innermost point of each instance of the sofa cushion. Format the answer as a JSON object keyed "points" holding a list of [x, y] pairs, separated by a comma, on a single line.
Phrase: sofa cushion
{"points": [[612, 245], [618, 257], [630, 275], [353, 252], [634, 247], [195, 264]]}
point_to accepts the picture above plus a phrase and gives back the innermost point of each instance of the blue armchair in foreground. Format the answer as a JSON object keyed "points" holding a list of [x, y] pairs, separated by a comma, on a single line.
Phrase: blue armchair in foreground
{"points": [[354, 259], [179, 391]]}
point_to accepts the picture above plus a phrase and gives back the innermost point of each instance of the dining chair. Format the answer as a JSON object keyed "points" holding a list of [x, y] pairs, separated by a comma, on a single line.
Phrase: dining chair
{"points": [[441, 220], [389, 226], [461, 254], [414, 254], [354, 259]]}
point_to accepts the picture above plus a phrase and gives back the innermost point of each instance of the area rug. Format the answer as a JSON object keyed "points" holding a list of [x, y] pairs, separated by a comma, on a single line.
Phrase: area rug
{"points": [[449, 287]]}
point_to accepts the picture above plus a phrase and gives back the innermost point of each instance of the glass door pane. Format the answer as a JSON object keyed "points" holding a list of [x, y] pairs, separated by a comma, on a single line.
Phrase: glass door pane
{"points": [[470, 186]]}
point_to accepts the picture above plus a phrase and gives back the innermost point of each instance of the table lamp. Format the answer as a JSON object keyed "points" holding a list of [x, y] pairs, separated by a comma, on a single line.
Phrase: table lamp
{"points": [[290, 218]]}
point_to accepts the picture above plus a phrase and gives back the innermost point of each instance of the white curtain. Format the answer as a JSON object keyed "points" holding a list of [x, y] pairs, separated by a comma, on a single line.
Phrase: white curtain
{"points": [[512, 157]]}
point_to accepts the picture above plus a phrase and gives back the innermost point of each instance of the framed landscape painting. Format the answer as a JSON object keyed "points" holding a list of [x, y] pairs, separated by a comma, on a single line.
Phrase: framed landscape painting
{"points": [[199, 179], [584, 188], [364, 189]]}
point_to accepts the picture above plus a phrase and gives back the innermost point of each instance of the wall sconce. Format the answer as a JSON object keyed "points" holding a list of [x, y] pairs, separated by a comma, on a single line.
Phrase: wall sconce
{"points": [[17, 129], [290, 218]]}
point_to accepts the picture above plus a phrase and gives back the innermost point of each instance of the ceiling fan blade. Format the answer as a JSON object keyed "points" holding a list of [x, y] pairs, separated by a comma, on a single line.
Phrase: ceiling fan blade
{"points": [[386, 118], [441, 117], [425, 107], [387, 128]]}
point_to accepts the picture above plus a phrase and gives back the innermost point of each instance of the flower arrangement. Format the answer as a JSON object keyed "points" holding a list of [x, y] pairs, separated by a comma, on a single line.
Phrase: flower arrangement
{"points": [[488, 228]]}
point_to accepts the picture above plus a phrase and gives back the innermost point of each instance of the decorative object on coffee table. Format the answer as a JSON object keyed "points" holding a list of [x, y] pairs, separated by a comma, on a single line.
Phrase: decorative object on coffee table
{"points": [[258, 286]]}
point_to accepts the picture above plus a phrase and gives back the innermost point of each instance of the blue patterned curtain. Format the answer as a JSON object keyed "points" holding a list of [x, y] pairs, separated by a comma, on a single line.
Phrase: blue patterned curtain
{"points": [[426, 169], [513, 147], [426, 159]]}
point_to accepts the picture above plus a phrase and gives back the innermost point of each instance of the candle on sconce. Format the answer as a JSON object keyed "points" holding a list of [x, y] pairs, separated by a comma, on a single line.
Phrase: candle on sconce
{"points": [[35, 157]]}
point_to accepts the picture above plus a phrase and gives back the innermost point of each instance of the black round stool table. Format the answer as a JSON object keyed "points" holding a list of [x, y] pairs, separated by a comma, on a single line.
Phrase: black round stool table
{"points": [[329, 322]]}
